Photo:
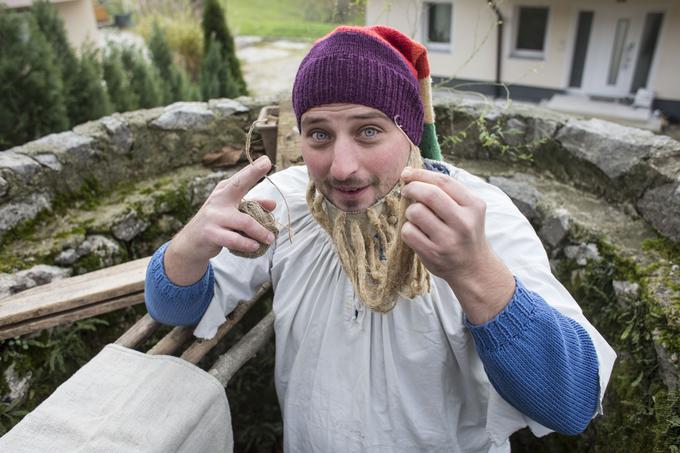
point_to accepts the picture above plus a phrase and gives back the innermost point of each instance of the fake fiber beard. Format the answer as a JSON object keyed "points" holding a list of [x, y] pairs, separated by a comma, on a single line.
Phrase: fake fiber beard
{"points": [[379, 264]]}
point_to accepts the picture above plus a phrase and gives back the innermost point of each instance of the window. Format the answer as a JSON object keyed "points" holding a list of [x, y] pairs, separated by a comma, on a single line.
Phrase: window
{"points": [[530, 31], [437, 25]]}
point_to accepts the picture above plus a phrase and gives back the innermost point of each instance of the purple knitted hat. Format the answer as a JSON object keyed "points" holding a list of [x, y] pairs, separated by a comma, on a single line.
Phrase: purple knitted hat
{"points": [[358, 65]]}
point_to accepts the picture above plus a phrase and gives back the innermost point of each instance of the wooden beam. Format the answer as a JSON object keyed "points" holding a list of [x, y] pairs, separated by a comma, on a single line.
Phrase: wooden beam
{"points": [[172, 341], [74, 298], [139, 332], [200, 348], [231, 361], [34, 324], [288, 138]]}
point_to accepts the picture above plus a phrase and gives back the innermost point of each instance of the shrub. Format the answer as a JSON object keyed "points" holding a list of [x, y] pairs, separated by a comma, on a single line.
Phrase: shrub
{"points": [[144, 79], [216, 78], [175, 84], [90, 100], [123, 97], [31, 97], [215, 30], [52, 27]]}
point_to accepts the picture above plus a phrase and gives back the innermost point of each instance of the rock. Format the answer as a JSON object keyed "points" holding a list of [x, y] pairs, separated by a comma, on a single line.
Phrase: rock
{"points": [[103, 246], [626, 292], [668, 363], [4, 187], [43, 274], [185, 116], [119, 132], [661, 207], [66, 257], [18, 385], [555, 227], [14, 213], [84, 248], [226, 107], [66, 146], [49, 160], [201, 187], [29, 278], [514, 131], [521, 191], [20, 164], [97, 252], [582, 253], [612, 148], [6, 283], [129, 227], [169, 224]]}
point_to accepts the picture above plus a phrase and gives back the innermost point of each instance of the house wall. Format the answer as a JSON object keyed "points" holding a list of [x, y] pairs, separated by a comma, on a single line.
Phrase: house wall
{"points": [[665, 76], [80, 23], [78, 17], [473, 52]]}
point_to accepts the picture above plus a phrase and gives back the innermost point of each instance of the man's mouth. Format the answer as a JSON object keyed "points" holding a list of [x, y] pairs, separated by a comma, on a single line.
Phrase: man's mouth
{"points": [[349, 189]]}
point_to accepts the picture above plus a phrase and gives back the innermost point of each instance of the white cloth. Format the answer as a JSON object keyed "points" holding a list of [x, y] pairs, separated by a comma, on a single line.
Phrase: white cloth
{"points": [[123, 401], [351, 380]]}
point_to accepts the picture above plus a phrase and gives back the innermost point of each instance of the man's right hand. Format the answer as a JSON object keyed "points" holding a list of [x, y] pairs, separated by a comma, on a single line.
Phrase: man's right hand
{"points": [[218, 224]]}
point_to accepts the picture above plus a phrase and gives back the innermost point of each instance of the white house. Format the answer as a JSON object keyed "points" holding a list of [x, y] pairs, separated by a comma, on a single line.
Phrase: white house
{"points": [[599, 49], [78, 16]]}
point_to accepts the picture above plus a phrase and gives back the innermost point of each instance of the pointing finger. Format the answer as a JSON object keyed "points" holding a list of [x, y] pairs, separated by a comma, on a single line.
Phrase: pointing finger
{"points": [[240, 183]]}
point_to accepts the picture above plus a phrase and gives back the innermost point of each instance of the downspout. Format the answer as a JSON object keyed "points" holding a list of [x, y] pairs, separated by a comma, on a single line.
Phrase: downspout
{"points": [[499, 46]]}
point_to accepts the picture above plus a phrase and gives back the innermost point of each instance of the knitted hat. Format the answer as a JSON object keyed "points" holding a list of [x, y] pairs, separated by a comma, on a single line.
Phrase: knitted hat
{"points": [[375, 66]]}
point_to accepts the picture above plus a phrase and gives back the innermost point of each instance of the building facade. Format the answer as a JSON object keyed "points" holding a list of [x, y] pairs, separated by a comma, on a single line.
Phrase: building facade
{"points": [[78, 16], [602, 49]]}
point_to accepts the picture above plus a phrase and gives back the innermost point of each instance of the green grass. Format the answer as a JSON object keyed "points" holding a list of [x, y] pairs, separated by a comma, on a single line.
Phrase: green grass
{"points": [[276, 19]]}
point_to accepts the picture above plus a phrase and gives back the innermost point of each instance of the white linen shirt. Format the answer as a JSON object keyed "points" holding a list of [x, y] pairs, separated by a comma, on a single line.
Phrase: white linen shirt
{"points": [[352, 380]]}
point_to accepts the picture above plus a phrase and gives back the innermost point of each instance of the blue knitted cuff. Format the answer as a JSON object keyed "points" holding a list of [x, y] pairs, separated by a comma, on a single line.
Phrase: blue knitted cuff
{"points": [[511, 322], [174, 304]]}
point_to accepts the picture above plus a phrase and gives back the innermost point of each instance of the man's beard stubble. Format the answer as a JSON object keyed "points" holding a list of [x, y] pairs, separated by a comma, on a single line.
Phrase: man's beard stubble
{"points": [[379, 264]]}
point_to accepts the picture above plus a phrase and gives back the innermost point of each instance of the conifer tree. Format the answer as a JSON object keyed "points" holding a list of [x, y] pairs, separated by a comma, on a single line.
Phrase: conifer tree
{"points": [[31, 93], [216, 79], [176, 85], [215, 29], [144, 79], [91, 100], [52, 27], [122, 96]]}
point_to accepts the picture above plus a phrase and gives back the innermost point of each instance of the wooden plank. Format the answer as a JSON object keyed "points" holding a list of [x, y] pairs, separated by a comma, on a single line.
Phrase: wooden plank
{"points": [[200, 348], [172, 341], [288, 138], [34, 324], [231, 361], [72, 293], [139, 332]]}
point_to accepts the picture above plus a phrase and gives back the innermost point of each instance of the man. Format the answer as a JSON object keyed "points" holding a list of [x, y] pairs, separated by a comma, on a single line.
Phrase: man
{"points": [[415, 307]]}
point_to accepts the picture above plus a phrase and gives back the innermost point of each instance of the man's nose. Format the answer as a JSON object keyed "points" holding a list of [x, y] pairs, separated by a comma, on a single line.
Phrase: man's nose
{"points": [[345, 163]]}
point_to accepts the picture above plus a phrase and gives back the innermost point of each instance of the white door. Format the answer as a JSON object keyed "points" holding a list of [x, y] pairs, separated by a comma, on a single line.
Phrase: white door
{"points": [[613, 50]]}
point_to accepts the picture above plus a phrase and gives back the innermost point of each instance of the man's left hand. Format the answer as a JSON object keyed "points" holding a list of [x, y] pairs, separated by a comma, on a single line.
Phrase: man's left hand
{"points": [[445, 227]]}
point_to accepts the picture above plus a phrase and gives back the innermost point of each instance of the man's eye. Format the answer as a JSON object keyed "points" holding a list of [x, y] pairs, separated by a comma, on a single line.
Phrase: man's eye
{"points": [[370, 132], [319, 135]]}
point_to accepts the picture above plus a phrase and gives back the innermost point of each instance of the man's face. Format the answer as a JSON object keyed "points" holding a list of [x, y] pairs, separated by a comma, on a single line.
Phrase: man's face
{"points": [[355, 154]]}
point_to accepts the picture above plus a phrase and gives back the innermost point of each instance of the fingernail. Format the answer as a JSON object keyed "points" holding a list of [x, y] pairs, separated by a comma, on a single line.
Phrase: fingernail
{"points": [[406, 172], [262, 162], [270, 238]]}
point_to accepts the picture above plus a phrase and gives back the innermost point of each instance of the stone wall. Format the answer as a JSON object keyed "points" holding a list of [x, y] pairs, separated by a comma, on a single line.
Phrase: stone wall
{"points": [[622, 164], [605, 201], [603, 198], [104, 154], [110, 190]]}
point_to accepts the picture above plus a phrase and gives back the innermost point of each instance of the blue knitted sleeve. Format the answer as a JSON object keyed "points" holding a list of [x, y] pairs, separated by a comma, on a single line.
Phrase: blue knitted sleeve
{"points": [[542, 362], [173, 304]]}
